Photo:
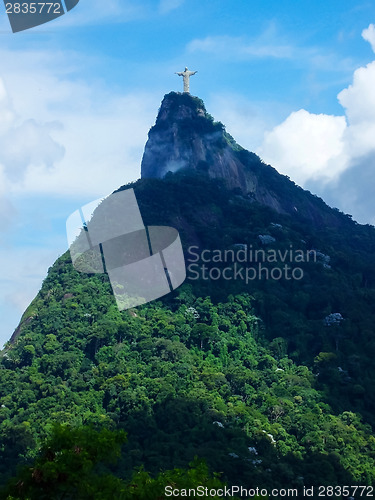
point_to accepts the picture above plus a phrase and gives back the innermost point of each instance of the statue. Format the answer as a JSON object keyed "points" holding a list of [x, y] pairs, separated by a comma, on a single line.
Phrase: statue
{"points": [[186, 76]]}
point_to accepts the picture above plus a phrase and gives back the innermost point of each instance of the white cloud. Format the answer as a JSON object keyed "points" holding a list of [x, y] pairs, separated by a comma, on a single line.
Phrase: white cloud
{"points": [[271, 43], [166, 6], [29, 143], [333, 155], [61, 137], [24, 142], [245, 120], [306, 145], [369, 35], [100, 12]]}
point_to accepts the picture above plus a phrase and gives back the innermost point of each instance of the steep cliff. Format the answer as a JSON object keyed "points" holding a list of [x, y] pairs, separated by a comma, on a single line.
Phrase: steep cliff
{"points": [[185, 136]]}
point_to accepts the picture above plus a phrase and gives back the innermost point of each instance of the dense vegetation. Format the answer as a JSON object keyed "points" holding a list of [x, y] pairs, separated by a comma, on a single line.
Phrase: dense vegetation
{"points": [[73, 464], [261, 380]]}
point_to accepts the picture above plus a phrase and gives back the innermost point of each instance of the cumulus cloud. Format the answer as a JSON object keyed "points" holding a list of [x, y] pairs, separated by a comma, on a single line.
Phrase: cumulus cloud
{"points": [[307, 146], [244, 119], [332, 155]]}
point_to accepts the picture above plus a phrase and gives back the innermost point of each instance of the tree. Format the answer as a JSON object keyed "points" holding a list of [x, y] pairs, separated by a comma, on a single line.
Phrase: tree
{"points": [[70, 466]]}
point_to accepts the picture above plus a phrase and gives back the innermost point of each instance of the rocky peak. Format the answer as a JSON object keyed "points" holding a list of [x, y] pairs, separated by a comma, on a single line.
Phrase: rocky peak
{"points": [[185, 136], [180, 106]]}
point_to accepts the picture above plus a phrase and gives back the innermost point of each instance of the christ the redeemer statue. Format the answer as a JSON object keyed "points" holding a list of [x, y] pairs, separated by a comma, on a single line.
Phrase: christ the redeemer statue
{"points": [[186, 76]]}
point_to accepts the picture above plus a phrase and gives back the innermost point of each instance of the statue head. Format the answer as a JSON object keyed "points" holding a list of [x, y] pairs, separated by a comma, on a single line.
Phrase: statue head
{"points": [[186, 69]]}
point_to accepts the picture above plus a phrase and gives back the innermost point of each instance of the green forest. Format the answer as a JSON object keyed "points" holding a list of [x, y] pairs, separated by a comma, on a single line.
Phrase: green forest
{"points": [[266, 384]]}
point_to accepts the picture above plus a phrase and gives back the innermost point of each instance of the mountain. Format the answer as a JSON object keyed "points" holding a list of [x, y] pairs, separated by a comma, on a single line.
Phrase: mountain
{"points": [[185, 136], [261, 363]]}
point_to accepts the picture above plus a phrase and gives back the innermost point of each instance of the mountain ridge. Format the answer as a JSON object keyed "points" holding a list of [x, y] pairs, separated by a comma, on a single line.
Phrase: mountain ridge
{"points": [[186, 137], [270, 381]]}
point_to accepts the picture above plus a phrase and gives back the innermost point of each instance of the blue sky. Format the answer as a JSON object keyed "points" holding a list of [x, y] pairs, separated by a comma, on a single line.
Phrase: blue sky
{"points": [[292, 81]]}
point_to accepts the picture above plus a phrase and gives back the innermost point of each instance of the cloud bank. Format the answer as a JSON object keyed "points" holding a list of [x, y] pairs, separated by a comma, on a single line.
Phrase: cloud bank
{"points": [[333, 155]]}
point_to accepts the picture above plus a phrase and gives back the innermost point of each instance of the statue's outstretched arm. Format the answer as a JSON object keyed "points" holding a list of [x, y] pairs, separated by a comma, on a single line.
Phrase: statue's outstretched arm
{"points": [[193, 73], [179, 74]]}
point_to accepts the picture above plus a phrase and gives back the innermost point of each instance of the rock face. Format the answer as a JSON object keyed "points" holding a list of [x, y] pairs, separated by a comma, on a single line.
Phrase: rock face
{"points": [[185, 136]]}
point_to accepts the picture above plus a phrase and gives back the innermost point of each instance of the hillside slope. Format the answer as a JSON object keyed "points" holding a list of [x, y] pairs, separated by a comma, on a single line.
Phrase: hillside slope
{"points": [[269, 379]]}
